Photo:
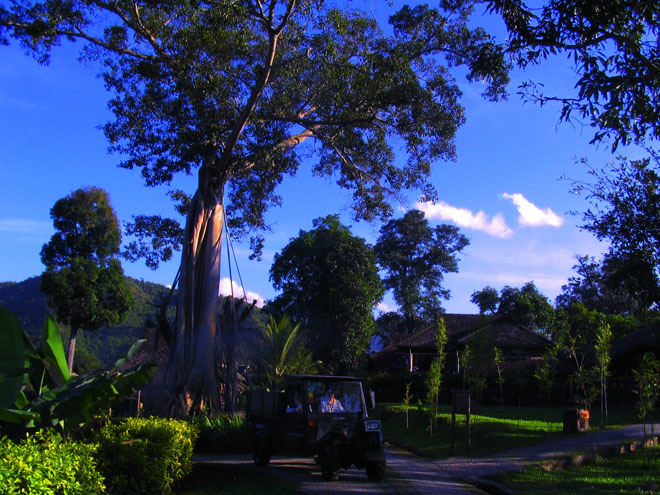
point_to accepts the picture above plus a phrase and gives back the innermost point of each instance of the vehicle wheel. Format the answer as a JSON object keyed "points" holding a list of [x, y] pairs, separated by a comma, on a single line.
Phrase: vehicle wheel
{"points": [[328, 464], [261, 451], [375, 470]]}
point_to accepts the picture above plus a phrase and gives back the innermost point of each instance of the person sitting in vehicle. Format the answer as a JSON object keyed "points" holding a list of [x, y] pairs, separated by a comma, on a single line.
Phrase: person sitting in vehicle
{"points": [[294, 406], [330, 404]]}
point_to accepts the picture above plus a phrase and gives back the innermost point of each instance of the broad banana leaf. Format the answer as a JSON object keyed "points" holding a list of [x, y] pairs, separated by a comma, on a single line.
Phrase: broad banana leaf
{"points": [[79, 400], [17, 416], [73, 401], [53, 349], [131, 352], [12, 358]]}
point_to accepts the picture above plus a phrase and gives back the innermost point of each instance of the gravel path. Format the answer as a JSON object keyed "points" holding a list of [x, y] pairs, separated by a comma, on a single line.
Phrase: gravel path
{"points": [[408, 474]]}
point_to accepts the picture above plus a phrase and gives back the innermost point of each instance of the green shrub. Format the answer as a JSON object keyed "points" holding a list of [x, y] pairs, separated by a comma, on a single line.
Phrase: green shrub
{"points": [[40, 465], [145, 456], [223, 434]]}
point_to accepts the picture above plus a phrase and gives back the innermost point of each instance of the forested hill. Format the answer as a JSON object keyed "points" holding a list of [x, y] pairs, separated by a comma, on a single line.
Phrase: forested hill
{"points": [[105, 345]]}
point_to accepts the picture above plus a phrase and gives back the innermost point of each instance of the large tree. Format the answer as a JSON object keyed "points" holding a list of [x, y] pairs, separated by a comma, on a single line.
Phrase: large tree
{"points": [[487, 299], [329, 283], [415, 258], [615, 48], [84, 281], [615, 286], [525, 306], [625, 211], [237, 89]]}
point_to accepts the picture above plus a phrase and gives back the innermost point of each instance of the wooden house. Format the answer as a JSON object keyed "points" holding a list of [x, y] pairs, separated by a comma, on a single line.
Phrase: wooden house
{"points": [[416, 351]]}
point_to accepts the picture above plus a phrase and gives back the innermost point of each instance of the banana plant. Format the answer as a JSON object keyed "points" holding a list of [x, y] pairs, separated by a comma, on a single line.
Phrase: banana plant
{"points": [[36, 389]]}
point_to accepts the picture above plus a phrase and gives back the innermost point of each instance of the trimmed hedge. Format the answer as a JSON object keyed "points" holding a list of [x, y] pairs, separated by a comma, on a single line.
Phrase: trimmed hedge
{"points": [[40, 465], [145, 456]]}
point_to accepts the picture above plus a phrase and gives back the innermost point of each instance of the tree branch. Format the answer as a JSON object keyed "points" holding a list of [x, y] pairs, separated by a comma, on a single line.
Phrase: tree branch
{"points": [[82, 35]]}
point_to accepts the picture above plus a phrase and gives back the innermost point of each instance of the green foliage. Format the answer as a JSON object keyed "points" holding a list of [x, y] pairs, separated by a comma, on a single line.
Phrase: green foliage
{"points": [[145, 456], [603, 286], [624, 211], [546, 374], [498, 361], [12, 358], [602, 348], [527, 306], [387, 324], [106, 344], [613, 44], [477, 362], [647, 385], [329, 280], [584, 338], [487, 299], [225, 434], [281, 350], [433, 379], [55, 397], [83, 281], [232, 91], [415, 257], [465, 364], [40, 465], [406, 402]]}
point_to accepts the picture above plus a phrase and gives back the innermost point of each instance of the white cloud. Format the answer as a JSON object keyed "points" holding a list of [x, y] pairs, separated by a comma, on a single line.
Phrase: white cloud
{"points": [[383, 307], [226, 286], [463, 217], [531, 215], [22, 226]]}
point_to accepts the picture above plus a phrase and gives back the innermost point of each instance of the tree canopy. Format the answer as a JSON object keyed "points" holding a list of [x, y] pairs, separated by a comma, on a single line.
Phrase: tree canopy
{"points": [[609, 286], [243, 92], [83, 279], [487, 299], [329, 283], [624, 205], [415, 257], [525, 306], [615, 48]]}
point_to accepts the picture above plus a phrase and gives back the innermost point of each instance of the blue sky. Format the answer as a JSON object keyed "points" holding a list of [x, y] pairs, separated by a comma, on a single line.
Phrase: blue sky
{"points": [[504, 190]]}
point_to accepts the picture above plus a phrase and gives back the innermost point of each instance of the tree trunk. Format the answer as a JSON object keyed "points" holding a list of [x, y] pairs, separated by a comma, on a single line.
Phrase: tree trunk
{"points": [[193, 358], [72, 348]]}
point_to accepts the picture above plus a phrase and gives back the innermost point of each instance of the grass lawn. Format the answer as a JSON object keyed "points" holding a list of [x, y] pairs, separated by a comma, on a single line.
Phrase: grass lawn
{"points": [[216, 479], [496, 429], [624, 474]]}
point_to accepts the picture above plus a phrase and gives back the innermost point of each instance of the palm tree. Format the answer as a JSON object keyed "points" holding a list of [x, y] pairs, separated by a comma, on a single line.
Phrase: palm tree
{"points": [[283, 350]]}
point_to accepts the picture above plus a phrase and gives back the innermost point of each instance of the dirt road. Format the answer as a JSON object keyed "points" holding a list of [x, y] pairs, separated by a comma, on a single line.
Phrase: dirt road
{"points": [[408, 474]]}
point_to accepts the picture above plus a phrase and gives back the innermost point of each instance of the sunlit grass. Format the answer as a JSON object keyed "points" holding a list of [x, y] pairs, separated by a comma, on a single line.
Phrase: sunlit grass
{"points": [[494, 430], [630, 473]]}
